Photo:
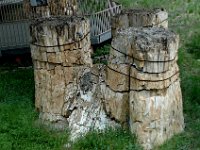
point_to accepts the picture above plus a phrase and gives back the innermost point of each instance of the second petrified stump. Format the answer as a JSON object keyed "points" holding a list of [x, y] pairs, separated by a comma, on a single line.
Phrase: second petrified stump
{"points": [[155, 99], [139, 18]]}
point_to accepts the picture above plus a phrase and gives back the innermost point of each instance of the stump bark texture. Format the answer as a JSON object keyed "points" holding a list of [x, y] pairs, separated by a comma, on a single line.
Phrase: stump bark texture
{"points": [[138, 88], [139, 18], [155, 100], [69, 88]]}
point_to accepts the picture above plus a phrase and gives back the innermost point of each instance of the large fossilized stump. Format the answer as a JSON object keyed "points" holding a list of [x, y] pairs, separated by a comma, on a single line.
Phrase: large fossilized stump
{"points": [[139, 18], [139, 88], [51, 8], [68, 87], [155, 99]]}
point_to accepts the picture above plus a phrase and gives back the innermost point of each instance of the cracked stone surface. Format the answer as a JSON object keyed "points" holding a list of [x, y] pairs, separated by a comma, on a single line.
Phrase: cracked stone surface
{"points": [[84, 103], [156, 115], [139, 18], [155, 99], [139, 88], [152, 50], [70, 90]]}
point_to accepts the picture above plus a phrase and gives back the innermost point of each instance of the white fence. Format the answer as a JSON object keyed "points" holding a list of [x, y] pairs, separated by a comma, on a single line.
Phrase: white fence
{"points": [[14, 24], [14, 28]]}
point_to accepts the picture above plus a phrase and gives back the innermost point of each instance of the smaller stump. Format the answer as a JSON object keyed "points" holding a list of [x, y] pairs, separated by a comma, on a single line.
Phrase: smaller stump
{"points": [[139, 18]]}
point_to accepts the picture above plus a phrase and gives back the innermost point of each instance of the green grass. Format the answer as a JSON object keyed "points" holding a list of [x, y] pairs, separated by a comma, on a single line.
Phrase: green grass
{"points": [[18, 130], [100, 52], [184, 16], [108, 140], [190, 84], [193, 46], [17, 115]]}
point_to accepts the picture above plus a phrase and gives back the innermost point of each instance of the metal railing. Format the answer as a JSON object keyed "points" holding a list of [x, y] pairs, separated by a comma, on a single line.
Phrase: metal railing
{"points": [[14, 25], [100, 23], [99, 12], [14, 22]]}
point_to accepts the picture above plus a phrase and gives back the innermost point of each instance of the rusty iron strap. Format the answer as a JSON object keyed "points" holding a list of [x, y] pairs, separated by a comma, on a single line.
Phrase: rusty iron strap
{"points": [[141, 59], [62, 44], [140, 79]]}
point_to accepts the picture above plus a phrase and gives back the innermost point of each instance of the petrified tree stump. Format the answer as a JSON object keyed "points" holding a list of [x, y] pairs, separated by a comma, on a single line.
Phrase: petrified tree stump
{"points": [[69, 89], [139, 18], [56, 48], [139, 88], [156, 109], [155, 99]]}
